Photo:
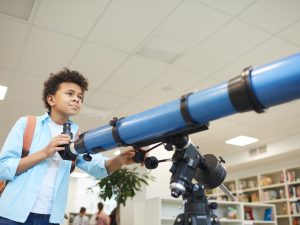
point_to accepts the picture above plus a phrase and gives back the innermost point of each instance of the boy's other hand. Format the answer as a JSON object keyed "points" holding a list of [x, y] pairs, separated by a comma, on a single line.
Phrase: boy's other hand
{"points": [[57, 144]]}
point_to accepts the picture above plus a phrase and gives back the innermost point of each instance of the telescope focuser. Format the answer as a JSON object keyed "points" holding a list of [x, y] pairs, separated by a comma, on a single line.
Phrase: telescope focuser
{"points": [[67, 154]]}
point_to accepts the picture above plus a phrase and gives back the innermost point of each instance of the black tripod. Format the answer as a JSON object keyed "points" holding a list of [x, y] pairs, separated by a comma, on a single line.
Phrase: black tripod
{"points": [[196, 209], [189, 165]]}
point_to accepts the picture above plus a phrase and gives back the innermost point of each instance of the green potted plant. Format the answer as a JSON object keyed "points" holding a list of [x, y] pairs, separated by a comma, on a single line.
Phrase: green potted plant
{"points": [[121, 185]]}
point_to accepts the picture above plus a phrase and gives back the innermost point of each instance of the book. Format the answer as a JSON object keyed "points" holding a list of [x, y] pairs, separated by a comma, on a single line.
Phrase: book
{"points": [[268, 214]]}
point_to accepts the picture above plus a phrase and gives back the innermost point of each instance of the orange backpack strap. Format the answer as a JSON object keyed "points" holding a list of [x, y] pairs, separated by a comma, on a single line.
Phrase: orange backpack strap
{"points": [[28, 135], [27, 139]]}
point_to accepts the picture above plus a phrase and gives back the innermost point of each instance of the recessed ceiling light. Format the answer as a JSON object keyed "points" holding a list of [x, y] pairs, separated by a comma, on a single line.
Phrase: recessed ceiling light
{"points": [[16, 8], [3, 90], [164, 48], [241, 140]]}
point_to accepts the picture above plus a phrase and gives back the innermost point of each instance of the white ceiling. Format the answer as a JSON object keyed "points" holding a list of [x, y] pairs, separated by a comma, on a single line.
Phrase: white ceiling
{"points": [[103, 39]]}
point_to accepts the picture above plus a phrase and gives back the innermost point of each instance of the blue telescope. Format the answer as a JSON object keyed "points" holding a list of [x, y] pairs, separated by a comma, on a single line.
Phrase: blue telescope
{"points": [[171, 123], [255, 89]]}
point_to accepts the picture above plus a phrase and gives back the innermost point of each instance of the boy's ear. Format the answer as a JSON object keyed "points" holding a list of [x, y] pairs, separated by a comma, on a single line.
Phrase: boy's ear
{"points": [[50, 100]]}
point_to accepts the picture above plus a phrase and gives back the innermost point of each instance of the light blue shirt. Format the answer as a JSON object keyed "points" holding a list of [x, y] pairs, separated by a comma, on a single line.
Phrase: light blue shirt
{"points": [[21, 192]]}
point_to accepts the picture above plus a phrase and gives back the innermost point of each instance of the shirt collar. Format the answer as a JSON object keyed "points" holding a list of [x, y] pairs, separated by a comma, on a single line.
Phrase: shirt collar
{"points": [[46, 117]]}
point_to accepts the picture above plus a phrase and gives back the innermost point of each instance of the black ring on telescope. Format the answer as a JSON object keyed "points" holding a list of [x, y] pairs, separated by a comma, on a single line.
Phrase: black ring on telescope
{"points": [[115, 133], [185, 111], [241, 93]]}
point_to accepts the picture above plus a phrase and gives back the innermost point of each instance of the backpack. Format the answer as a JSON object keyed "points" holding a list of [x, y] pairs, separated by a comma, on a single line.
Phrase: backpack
{"points": [[27, 139]]}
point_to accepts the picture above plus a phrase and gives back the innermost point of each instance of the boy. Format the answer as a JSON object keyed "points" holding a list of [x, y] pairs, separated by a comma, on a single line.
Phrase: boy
{"points": [[38, 183]]}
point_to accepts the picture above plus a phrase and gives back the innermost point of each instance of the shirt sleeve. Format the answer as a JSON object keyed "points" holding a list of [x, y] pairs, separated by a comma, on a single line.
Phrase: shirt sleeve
{"points": [[11, 152], [95, 167]]}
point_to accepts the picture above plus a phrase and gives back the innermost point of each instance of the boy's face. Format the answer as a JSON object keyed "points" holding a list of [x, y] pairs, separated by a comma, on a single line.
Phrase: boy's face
{"points": [[67, 100]]}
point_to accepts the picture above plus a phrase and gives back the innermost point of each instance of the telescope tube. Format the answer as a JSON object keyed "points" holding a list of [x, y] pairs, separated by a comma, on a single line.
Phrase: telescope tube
{"points": [[256, 89]]}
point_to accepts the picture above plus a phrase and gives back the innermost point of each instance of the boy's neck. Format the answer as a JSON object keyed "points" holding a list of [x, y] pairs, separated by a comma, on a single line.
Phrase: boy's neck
{"points": [[58, 119]]}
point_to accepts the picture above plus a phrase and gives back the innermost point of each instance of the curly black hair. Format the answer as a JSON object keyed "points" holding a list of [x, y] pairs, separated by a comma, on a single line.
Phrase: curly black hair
{"points": [[55, 79]]}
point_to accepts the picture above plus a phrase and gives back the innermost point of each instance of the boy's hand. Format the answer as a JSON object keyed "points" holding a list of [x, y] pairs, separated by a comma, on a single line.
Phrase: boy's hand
{"points": [[57, 144], [125, 158]]}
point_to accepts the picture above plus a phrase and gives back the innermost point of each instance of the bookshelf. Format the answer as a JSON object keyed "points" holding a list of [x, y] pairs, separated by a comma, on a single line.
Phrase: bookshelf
{"points": [[160, 211], [280, 188]]}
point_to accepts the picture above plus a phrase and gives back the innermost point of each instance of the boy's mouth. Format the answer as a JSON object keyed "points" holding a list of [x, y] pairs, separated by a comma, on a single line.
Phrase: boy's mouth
{"points": [[74, 107]]}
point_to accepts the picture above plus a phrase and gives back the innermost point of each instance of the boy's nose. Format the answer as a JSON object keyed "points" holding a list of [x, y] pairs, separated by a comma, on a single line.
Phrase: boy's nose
{"points": [[76, 99]]}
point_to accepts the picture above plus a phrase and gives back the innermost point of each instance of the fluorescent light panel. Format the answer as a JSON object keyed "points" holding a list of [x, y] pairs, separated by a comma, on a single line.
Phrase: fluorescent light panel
{"points": [[3, 90], [241, 140], [20, 9], [163, 48]]}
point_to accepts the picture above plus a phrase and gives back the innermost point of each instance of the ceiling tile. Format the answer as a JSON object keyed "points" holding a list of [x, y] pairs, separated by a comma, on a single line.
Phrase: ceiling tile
{"points": [[87, 123], [207, 146], [222, 48], [198, 28], [102, 100], [232, 7], [21, 10], [286, 127], [2, 139], [21, 91], [15, 110], [296, 102], [292, 33], [95, 113], [216, 127], [68, 16], [12, 38], [6, 77], [133, 76], [233, 131], [273, 115], [126, 31], [47, 52], [267, 52], [97, 63], [271, 15], [162, 47], [203, 84], [132, 107], [169, 86]]}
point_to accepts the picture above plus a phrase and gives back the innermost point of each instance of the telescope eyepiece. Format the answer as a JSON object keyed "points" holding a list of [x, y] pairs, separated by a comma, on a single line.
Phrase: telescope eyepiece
{"points": [[67, 130]]}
